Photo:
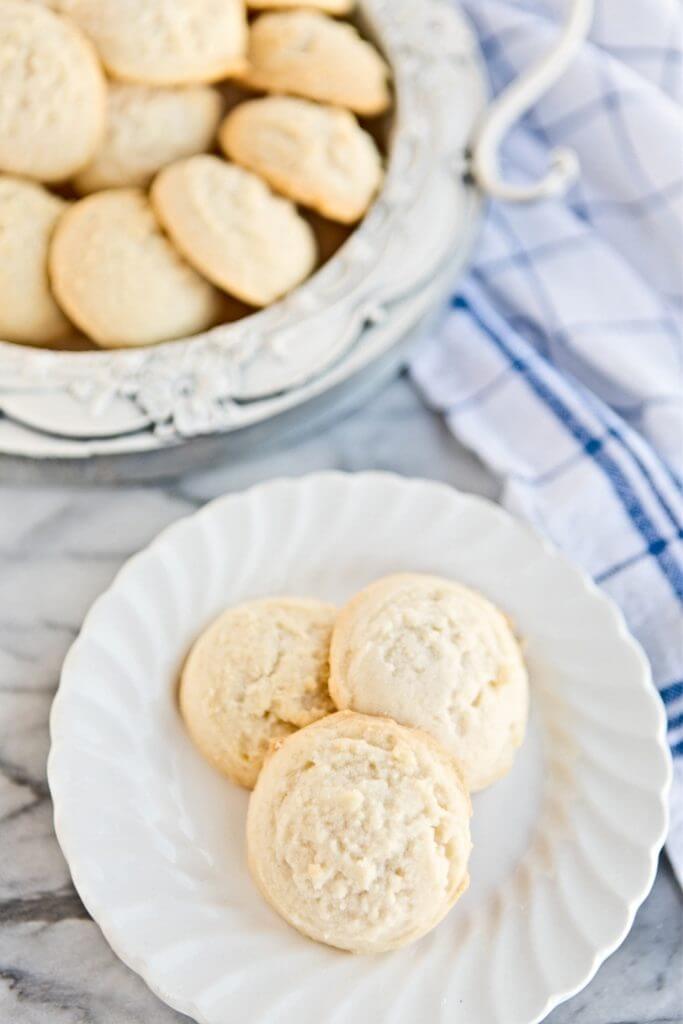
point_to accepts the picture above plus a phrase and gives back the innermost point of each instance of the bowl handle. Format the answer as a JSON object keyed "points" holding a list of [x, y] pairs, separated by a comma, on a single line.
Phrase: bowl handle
{"points": [[514, 101]]}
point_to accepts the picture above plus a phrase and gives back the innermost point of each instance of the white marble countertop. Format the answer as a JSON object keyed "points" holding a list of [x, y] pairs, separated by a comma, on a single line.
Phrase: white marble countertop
{"points": [[59, 547]]}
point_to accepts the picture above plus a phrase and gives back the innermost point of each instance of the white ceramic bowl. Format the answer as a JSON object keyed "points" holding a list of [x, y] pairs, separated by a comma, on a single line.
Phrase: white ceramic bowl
{"points": [[565, 847], [356, 306]]}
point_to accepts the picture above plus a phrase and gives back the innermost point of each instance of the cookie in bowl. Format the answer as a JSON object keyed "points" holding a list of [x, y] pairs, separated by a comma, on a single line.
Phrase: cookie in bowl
{"points": [[329, 6], [317, 155], [233, 229], [435, 655], [257, 674], [164, 42], [52, 94], [120, 279], [113, 96], [308, 54], [148, 127], [28, 311], [358, 832]]}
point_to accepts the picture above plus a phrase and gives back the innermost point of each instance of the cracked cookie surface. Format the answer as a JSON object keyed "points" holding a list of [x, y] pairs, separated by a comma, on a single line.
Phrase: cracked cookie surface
{"points": [[147, 128], [358, 832], [329, 6], [314, 154], [164, 42], [309, 54], [110, 245], [28, 311], [258, 673], [52, 94], [438, 656], [230, 226]]}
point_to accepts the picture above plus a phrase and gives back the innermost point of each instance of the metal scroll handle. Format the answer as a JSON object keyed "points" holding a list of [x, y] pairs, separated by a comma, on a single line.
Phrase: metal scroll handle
{"points": [[511, 104]]}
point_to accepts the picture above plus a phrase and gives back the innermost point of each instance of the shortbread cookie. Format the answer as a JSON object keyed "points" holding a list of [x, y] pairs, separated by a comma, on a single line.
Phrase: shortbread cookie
{"points": [[309, 54], [147, 128], [329, 6], [257, 674], [165, 42], [120, 279], [229, 226], [52, 93], [317, 155], [28, 312], [358, 832], [436, 655]]}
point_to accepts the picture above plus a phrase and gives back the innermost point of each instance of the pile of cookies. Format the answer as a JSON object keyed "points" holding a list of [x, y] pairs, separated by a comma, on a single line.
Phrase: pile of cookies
{"points": [[362, 732], [138, 199]]}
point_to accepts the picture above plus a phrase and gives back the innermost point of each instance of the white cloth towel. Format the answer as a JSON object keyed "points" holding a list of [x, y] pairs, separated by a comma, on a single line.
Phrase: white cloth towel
{"points": [[560, 358]]}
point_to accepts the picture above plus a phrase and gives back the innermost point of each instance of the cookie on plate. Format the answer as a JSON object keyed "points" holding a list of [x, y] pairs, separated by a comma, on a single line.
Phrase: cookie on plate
{"points": [[120, 279], [28, 311], [257, 674], [329, 6], [52, 93], [148, 127], [164, 42], [438, 656], [229, 226], [358, 832], [316, 155], [309, 54]]}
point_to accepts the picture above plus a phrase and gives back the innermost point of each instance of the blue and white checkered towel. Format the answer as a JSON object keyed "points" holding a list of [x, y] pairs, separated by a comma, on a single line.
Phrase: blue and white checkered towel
{"points": [[560, 359]]}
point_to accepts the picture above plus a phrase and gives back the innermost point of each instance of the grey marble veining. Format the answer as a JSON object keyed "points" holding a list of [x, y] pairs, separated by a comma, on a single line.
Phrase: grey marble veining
{"points": [[59, 548]]}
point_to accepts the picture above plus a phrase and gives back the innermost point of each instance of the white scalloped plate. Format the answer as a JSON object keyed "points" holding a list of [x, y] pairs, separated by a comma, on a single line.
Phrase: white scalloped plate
{"points": [[565, 847]]}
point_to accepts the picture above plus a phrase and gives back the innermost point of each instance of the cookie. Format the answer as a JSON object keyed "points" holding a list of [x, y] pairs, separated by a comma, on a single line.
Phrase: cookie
{"points": [[52, 94], [358, 832], [316, 155], [164, 42], [329, 6], [438, 656], [120, 279], [147, 128], [28, 311], [257, 674], [229, 226], [309, 54]]}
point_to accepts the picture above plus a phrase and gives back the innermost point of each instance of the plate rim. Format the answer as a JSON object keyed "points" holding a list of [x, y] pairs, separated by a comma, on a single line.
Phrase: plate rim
{"points": [[99, 913]]}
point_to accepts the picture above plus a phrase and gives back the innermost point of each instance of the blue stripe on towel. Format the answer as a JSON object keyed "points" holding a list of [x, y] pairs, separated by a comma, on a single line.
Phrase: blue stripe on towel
{"points": [[593, 447], [672, 692]]}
